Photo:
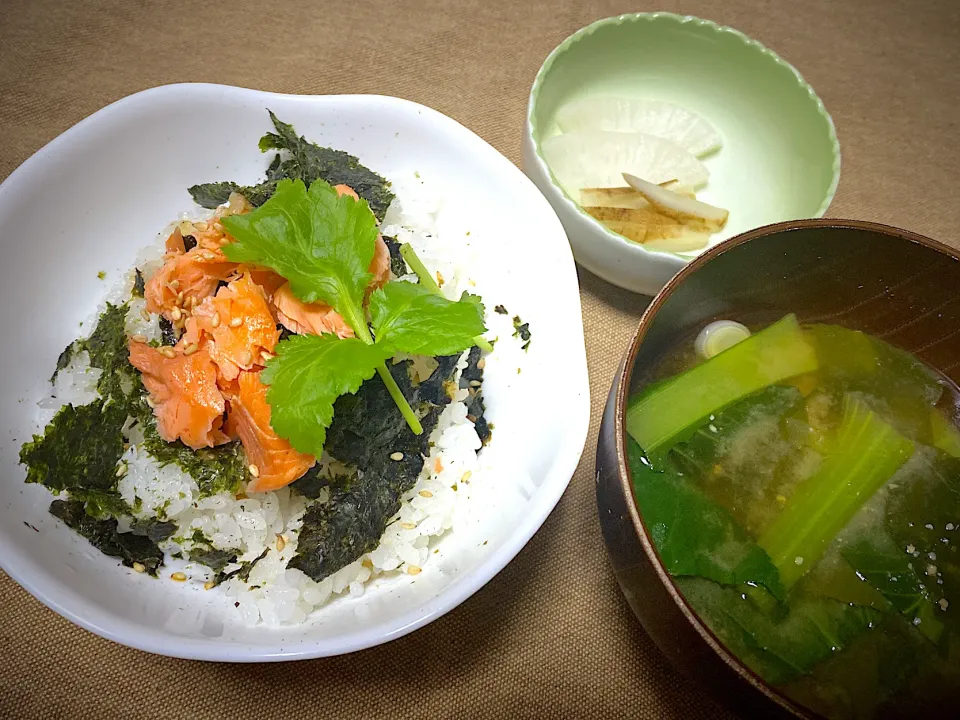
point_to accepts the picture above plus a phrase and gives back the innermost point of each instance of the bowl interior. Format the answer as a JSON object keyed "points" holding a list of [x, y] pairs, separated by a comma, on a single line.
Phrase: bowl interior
{"points": [[886, 282], [780, 159], [92, 198]]}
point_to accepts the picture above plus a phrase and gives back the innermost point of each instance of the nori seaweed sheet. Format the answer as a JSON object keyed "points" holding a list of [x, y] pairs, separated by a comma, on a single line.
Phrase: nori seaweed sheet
{"points": [[138, 284], [474, 403], [367, 429], [303, 161], [398, 266], [168, 336], [103, 535]]}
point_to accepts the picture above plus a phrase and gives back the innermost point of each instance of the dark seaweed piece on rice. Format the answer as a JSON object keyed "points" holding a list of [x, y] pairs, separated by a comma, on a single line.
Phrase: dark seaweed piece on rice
{"points": [[138, 284], [398, 266], [168, 336], [369, 432], [472, 379], [312, 482], [103, 535]]}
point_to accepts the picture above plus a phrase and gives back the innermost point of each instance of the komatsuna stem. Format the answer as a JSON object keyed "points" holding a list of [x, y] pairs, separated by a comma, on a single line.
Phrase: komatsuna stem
{"points": [[427, 281], [408, 414]]}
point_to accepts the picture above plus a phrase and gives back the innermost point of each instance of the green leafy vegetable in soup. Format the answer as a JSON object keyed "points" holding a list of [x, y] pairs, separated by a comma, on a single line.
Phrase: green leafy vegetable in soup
{"points": [[803, 487]]}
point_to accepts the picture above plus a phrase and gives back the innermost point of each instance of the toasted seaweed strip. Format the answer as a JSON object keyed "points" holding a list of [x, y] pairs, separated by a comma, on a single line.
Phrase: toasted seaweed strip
{"points": [[103, 535], [369, 432], [301, 160]]}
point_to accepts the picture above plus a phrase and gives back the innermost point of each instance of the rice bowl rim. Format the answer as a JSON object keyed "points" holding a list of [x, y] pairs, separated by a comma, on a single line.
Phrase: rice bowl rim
{"points": [[568, 448]]}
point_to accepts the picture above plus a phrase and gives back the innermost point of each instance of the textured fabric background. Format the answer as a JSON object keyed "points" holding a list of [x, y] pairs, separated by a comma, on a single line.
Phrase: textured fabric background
{"points": [[549, 637]]}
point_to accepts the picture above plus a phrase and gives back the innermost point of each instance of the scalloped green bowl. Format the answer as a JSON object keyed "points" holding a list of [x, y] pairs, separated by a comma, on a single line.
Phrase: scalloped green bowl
{"points": [[780, 158]]}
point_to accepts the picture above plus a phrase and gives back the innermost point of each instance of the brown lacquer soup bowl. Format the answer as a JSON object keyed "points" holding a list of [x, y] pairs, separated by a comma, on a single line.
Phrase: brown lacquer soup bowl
{"points": [[887, 282]]}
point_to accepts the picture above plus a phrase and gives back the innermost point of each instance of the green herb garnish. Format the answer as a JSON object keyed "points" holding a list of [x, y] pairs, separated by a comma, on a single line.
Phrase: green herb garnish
{"points": [[323, 244]]}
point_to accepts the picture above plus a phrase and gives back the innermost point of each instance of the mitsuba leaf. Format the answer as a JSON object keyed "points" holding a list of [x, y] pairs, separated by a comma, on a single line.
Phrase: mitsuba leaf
{"points": [[308, 375], [321, 242], [409, 318]]}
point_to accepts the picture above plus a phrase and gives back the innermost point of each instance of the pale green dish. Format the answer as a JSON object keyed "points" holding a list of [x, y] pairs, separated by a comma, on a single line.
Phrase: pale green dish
{"points": [[780, 158]]}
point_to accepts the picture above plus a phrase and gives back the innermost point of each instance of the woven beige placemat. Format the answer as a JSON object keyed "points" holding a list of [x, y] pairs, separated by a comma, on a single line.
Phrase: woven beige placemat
{"points": [[549, 637]]}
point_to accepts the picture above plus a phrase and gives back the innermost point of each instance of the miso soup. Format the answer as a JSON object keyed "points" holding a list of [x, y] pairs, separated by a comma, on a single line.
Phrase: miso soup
{"points": [[802, 487]]}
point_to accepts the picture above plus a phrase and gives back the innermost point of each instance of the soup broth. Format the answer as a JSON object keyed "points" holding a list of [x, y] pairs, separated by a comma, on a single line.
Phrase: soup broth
{"points": [[803, 489]]}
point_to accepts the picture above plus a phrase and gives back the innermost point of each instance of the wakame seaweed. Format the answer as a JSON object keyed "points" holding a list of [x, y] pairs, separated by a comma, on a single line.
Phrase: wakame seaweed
{"points": [[367, 432], [103, 535], [304, 161]]}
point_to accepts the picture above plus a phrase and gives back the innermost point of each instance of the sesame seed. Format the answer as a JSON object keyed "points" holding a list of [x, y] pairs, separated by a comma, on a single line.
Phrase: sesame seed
{"points": [[236, 322], [798, 560], [200, 226], [144, 314], [408, 525], [209, 585], [215, 320], [475, 383], [281, 543], [266, 355], [414, 570], [173, 284], [246, 357], [943, 603], [910, 548], [426, 493], [121, 470], [396, 456], [207, 255], [466, 476], [254, 470], [178, 576], [150, 402], [931, 570], [168, 352], [180, 298], [481, 364], [138, 567], [139, 338], [176, 314], [191, 349]]}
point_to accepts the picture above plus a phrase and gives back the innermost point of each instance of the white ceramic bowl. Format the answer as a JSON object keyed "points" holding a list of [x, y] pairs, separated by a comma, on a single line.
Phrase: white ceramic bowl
{"points": [[780, 159], [87, 201]]}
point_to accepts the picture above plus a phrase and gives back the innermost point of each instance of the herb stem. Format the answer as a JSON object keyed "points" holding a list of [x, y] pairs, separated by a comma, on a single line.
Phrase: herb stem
{"points": [[426, 279], [408, 414], [363, 332]]}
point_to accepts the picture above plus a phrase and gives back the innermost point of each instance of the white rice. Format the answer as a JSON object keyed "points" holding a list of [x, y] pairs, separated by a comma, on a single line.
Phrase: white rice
{"points": [[274, 594]]}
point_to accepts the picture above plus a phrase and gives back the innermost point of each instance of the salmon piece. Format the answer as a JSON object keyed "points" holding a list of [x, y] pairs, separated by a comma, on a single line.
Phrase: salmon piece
{"points": [[308, 318], [264, 277], [175, 243], [196, 274], [277, 462], [380, 265], [238, 324], [184, 394], [319, 318]]}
